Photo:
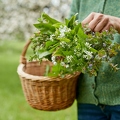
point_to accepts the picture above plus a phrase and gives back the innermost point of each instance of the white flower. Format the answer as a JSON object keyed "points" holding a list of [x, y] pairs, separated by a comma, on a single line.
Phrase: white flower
{"points": [[76, 22], [62, 34], [104, 44], [79, 54], [85, 56], [76, 40], [63, 43], [51, 37], [67, 66], [62, 30], [75, 50], [97, 57], [62, 64], [54, 63], [69, 58], [88, 55], [53, 59], [88, 45]]}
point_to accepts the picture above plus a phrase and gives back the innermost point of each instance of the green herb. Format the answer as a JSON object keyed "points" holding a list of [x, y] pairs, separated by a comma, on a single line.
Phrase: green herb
{"points": [[72, 48]]}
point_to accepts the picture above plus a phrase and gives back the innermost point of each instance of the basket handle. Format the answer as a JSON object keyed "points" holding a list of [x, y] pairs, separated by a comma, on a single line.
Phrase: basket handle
{"points": [[22, 57]]}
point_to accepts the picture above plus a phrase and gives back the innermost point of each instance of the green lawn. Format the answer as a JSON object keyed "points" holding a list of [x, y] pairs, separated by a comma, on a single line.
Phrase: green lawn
{"points": [[13, 105]]}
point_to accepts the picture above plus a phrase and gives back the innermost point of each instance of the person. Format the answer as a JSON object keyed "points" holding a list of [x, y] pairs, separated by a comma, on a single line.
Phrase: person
{"points": [[98, 97]]}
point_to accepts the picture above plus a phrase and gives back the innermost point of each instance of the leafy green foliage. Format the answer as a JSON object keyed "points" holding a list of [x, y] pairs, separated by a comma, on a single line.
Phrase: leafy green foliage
{"points": [[72, 48]]}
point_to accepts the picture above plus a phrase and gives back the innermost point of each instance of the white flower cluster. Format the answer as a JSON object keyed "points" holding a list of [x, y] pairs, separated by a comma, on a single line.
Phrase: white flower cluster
{"points": [[63, 30], [88, 45], [52, 37], [63, 44], [53, 60], [62, 63], [77, 52], [87, 55], [69, 58]]}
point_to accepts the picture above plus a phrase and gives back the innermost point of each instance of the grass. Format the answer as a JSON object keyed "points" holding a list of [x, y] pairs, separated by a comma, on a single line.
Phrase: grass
{"points": [[13, 105]]}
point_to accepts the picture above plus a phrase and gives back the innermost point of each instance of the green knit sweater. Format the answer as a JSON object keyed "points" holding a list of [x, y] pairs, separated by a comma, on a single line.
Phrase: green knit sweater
{"points": [[105, 88]]}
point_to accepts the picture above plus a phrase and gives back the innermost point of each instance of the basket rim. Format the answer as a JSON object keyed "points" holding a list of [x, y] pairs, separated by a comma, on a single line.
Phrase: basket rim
{"points": [[42, 78]]}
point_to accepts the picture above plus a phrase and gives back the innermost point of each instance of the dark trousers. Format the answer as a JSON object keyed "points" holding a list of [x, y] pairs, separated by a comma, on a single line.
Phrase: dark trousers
{"points": [[98, 112]]}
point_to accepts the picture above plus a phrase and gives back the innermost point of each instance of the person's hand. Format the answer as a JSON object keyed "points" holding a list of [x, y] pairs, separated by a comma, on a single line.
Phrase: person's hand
{"points": [[98, 22]]}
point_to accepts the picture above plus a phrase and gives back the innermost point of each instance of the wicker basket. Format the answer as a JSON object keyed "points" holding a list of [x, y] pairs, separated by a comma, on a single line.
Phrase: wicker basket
{"points": [[45, 93]]}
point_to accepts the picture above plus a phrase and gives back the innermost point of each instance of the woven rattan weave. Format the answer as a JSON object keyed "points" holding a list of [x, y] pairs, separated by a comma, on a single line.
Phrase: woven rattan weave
{"points": [[45, 93]]}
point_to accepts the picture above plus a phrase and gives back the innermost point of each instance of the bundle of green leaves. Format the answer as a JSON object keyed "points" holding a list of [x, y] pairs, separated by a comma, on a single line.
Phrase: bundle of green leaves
{"points": [[70, 47]]}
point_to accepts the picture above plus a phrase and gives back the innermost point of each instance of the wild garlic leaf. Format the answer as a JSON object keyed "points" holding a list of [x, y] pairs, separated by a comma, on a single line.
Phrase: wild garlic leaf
{"points": [[72, 21], [77, 27], [57, 25], [58, 52], [44, 27], [49, 19], [50, 43], [43, 54], [66, 21], [64, 39]]}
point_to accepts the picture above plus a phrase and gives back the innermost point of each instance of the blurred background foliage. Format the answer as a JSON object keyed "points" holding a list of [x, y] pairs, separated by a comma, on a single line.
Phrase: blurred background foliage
{"points": [[16, 26]]}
